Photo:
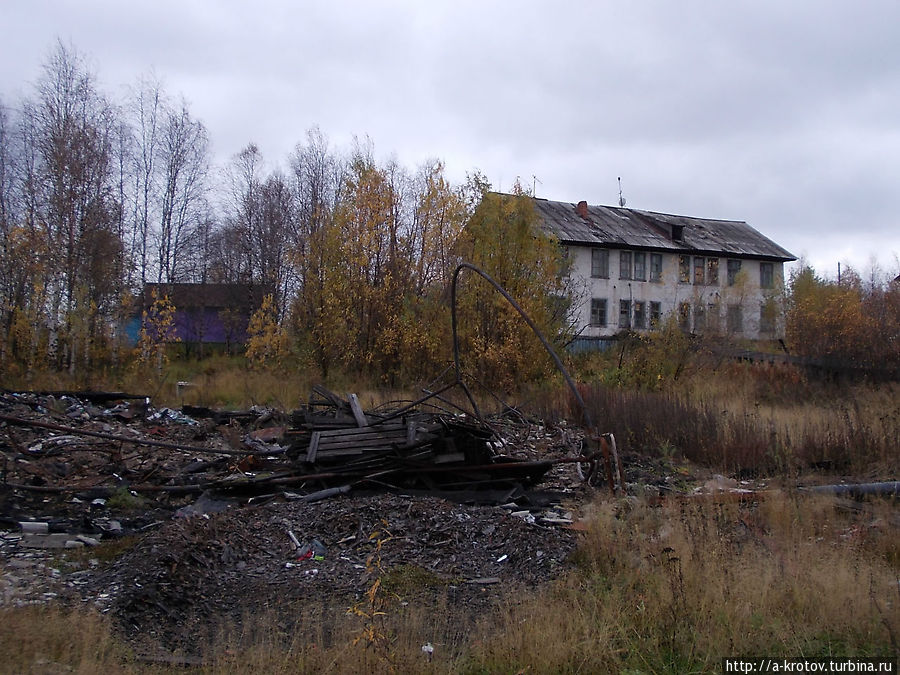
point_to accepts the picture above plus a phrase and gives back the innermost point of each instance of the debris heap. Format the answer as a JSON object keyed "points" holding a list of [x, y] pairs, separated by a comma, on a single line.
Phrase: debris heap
{"points": [[330, 446]]}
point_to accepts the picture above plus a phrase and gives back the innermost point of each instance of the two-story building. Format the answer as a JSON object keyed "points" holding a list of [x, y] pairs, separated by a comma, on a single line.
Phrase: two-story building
{"points": [[632, 268]]}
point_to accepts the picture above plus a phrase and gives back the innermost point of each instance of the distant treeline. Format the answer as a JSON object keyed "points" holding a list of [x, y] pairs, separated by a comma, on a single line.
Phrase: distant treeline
{"points": [[100, 197]]}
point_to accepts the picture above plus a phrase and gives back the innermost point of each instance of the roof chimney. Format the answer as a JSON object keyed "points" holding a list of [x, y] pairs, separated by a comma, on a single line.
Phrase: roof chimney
{"points": [[582, 210]]}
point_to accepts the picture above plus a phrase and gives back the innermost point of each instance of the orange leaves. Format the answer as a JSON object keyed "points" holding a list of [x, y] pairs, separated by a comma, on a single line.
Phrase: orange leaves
{"points": [[503, 239], [844, 322], [267, 341], [157, 329]]}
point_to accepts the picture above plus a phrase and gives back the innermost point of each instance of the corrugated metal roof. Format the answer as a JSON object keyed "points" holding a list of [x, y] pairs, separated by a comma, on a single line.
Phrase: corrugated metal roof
{"points": [[629, 228]]}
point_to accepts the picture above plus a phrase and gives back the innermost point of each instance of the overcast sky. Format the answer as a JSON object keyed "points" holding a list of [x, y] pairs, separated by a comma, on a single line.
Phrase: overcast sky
{"points": [[785, 114]]}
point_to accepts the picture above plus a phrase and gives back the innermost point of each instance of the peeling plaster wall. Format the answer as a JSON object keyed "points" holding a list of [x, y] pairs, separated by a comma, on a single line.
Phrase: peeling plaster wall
{"points": [[670, 293]]}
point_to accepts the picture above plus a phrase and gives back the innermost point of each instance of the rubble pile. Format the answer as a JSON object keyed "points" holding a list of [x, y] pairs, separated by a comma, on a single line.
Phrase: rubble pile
{"points": [[246, 559], [217, 513], [100, 450]]}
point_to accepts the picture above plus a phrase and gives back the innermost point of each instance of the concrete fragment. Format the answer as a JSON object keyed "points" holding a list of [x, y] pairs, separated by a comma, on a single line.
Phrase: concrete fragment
{"points": [[45, 540]]}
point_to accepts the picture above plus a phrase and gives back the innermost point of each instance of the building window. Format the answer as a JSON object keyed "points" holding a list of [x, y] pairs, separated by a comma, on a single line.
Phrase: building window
{"points": [[699, 318], [699, 271], [766, 275], [624, 264], [656, 267], [640, 266], [598, 311], [712, 271], [767, 313], [655, 314], [600, 263], [684, 269], [712, 317], [734, 268], [640, 314], [624, 313], [735, 319], [684, 316]]}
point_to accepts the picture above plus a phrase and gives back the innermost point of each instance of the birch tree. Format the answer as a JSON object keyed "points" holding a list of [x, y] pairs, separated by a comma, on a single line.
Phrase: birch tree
{"points": [[69, 142], [183, 153]]}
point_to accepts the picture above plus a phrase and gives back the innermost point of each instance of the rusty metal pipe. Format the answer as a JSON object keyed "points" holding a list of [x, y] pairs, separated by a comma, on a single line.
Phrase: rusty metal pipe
{"points": [[588, 422]]}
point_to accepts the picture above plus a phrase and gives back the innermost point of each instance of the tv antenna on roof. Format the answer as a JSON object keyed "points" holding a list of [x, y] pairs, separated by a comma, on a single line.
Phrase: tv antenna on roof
{"points": [[621, 197]]}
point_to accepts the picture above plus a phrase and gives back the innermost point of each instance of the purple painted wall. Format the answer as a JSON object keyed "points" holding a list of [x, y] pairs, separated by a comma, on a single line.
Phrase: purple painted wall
{"points": [[206, 325]]}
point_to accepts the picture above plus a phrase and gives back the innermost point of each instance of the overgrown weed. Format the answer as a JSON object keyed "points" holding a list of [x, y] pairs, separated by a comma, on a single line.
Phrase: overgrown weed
{"points": [[676, 588], [717, 418], [669, 588], [55, 640]]}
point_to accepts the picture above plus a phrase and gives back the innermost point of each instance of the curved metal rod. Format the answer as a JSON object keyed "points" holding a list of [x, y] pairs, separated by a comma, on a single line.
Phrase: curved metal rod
{"points": [[537, 331]]}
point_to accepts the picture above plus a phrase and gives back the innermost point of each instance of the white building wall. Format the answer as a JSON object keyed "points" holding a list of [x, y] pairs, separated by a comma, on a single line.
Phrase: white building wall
{"points": [[671, 293]]}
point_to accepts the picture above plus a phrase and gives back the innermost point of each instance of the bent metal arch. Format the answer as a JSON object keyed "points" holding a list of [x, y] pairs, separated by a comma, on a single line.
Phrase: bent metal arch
{"points": [[605, 446]]}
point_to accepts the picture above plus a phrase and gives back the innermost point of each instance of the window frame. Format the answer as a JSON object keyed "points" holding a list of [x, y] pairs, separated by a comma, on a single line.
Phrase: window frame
{"points": [[767, 275], [596, 313], [625, 258], [733, 269], [655, 313], [625, 314], [699, 317], [768, 317], [684, 316], [684, 269], [656, 269], [639, 270], [712, 271], [639, 313], [698, 277], [713, 317], [599, 263]]}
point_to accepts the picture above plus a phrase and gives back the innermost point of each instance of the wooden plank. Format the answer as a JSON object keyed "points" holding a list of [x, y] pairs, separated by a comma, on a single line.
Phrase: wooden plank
{"points": [[364, 432], [375, 440], [449, 457], [328, 396], [381, 444], [357, 410], [380, 439], [325, 453], [313, 446]]}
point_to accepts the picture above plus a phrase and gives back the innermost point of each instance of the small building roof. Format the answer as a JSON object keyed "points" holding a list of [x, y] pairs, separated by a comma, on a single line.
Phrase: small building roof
{"points": [[616, 227], [240, 297]]}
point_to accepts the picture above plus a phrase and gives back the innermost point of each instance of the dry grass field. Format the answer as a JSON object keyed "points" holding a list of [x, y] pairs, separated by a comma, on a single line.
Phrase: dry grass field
{"points": [[658, 586]]}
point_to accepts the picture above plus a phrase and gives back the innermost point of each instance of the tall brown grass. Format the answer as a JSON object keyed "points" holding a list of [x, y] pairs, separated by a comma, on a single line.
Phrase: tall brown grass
{"points": [[675, 589], [654, 589], [55, 640], [749, 420], [218, 382]]}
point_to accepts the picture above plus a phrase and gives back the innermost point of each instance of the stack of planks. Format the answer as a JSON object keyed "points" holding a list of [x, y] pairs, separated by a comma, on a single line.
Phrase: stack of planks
{"points": [[332, 432]]}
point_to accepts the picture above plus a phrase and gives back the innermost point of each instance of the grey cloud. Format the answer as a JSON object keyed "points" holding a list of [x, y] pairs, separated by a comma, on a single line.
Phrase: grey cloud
{"points": [[782, 114]]}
